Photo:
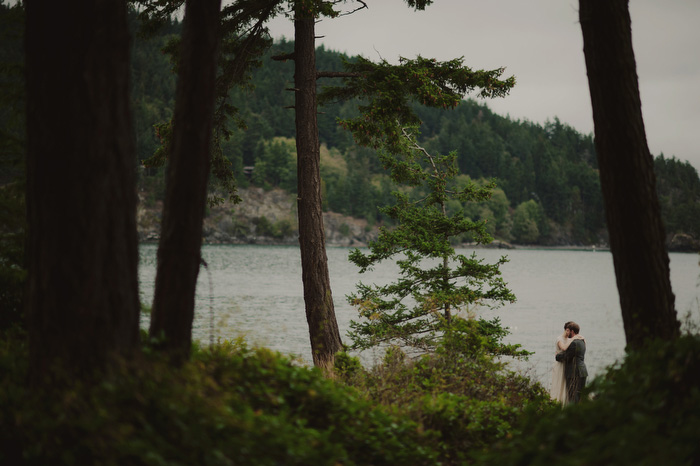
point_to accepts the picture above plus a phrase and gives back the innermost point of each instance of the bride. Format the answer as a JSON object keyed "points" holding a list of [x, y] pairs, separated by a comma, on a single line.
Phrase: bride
{"points": [[558, 389]]}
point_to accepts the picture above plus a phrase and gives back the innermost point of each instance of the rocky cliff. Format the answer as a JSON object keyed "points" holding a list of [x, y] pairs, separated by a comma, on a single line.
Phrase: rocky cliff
{"points": [[263, 217]]}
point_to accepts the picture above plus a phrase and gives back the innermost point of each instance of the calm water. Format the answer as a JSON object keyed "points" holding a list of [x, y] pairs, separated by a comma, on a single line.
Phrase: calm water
{"points": [[256, 291]]}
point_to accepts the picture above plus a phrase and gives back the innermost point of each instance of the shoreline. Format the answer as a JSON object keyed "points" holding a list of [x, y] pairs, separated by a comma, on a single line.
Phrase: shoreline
{"points": [[505, 246]]}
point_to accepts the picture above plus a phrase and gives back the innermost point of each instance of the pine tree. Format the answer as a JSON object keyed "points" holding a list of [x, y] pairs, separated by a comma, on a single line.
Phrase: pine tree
{"points": [[435, 282]]}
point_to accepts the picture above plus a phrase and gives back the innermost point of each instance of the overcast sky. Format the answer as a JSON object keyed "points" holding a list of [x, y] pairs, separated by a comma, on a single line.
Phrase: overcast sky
{"points": [[540, 42]]}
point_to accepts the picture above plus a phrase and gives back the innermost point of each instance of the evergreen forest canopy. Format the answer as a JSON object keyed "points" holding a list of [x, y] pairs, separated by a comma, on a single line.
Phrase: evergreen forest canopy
{"points": [[548, 188]]}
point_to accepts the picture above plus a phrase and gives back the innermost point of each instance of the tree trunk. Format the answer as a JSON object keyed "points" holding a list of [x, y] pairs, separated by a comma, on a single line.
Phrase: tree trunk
{"points": [[82, 250], [179, 251], [320, 312], [627, 175]]}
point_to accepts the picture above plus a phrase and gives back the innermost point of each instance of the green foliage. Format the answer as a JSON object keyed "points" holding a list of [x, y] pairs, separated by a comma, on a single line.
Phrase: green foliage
{"points": [[390, 89], [344, 229], [474, 337], [244, 39], [347, 367], [152, 83], [419, 5], [435, 283], [495, 214], [678, 186], [526, 219], [279, 229], [549, 163], [276, 165], [350, 187], [460, 392], [644, 412], [229, 405]]}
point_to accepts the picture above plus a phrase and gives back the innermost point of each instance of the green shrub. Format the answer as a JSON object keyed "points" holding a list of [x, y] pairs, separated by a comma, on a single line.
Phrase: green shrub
{"points": [[284, 228], [644, 412], [347, 366], [460, 392], [264, 227], [229, 405], [278, 230]]}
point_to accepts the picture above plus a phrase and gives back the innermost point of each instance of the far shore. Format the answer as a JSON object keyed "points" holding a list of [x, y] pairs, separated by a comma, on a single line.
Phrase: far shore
{"points": [[496, 244]]}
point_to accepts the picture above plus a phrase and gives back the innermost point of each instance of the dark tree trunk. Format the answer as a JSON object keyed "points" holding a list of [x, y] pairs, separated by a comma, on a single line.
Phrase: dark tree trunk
{"points": [[179, 252], [627, 175], [82, 291], [320, 313]]}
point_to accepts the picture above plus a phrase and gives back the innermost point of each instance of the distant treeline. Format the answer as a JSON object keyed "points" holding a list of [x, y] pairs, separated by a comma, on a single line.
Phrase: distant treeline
{"points": [[548, 186]]}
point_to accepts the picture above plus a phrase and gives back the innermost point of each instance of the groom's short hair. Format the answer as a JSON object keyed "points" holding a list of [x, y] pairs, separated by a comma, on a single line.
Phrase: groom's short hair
{"points": [[573, 326]]}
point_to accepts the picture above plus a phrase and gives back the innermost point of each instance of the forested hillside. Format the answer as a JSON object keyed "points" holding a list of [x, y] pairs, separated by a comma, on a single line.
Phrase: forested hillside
{"points": [[548, 187], [548, 190]]}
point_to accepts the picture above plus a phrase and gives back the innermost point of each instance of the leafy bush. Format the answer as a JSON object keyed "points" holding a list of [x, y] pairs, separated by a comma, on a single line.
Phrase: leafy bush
{"points": [[643, 412], [229, 405], [280, 229], [460, 392]]}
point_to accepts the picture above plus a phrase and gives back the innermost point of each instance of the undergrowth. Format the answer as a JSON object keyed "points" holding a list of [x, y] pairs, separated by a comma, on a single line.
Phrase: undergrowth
{"points": [[643, 412], [460, 392], [232, 404]]}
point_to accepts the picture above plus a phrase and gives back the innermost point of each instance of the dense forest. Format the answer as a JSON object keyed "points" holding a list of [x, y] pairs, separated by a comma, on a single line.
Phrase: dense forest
{"points": [[81, 380], [548, 188]]}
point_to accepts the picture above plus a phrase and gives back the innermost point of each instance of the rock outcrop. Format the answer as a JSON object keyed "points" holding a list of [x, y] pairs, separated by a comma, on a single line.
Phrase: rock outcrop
{"points": [[262, 217], [680, 242]]}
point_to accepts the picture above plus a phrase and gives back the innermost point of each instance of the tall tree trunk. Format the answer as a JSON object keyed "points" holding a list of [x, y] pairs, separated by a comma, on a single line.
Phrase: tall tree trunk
{"points": [[179, 252], [320, 313], [82, 291], [627, 175]]}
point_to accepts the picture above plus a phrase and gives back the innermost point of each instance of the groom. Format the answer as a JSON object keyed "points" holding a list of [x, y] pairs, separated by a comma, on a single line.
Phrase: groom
{"points": [[575, 369]]}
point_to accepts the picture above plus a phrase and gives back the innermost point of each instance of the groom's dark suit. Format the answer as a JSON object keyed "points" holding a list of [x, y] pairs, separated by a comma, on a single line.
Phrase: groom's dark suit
{"points": [[574, 369]]}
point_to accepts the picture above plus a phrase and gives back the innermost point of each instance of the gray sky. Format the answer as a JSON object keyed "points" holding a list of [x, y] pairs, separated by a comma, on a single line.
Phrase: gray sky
{"points": [[540, 42]]}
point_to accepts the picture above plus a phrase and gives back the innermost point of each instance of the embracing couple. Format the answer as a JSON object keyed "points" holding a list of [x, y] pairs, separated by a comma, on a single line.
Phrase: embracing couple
{"points": [[569, 372]]}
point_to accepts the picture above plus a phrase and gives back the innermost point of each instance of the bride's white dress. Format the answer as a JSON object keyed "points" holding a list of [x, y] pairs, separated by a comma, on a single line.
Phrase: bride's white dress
{"points": [[558, 388]]}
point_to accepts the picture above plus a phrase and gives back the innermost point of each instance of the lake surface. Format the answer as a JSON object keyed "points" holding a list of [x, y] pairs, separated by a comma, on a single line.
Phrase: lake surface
{"points": [[256, 291]]}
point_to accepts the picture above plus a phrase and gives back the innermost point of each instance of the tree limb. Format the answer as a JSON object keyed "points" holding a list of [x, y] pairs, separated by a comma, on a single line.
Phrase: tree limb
{"points": [[364, 5], [284, 57], [336, 74]]}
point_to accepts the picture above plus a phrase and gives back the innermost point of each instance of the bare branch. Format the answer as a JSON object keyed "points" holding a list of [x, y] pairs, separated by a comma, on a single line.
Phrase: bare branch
{"points": [[285, 57], [364, 5], [337, 74]]}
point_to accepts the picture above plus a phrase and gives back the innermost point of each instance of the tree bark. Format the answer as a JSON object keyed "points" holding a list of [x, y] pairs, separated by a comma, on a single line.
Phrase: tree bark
{"points": [[179, 251], [627, 176], [82, 289], [320, 312]]}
